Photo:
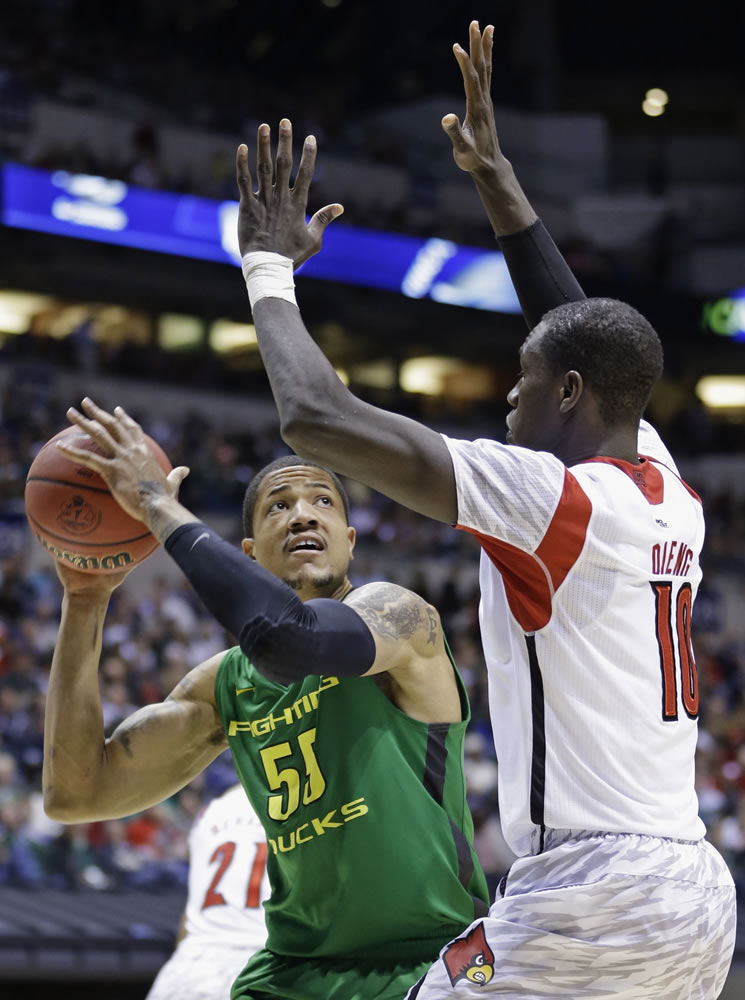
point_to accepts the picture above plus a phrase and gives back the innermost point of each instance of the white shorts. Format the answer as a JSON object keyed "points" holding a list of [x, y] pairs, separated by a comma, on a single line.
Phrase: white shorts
{"points": [[199, 970], [594, 916]]}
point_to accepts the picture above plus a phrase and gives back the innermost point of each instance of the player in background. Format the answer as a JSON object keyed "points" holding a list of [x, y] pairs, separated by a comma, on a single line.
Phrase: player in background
{"points": [[223, 922], [342, 708], [590, 564]]}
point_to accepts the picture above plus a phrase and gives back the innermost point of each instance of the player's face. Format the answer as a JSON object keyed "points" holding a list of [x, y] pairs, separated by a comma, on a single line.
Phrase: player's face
{"points": [[535, 421], [300, 533]]}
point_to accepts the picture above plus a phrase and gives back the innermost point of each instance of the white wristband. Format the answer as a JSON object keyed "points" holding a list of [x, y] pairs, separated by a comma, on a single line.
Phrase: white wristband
{"points": [[268, 276]]}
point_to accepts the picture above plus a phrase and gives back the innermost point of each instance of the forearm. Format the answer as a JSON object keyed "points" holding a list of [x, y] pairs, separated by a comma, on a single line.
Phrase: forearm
{"points": [[73, 727], [504, 201], [310, 396], [540, 275], [283, 637], [322, 420]]}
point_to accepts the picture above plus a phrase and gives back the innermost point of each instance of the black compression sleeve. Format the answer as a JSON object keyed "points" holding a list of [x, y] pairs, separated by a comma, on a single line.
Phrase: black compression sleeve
{"points": [[285, 638], [541, 276]]}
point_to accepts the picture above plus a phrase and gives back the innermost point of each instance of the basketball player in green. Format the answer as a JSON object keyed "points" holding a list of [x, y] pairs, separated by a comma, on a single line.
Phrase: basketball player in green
{"points": [[348, 738]]}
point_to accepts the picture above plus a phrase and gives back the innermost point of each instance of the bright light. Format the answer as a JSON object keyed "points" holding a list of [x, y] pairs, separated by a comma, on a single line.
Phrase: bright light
{"points": [[724, 392], [375, 374], [426, 375], [178, 333], [653, 110], [226, 336], [448, 377], [658, 96], [17, 309]]}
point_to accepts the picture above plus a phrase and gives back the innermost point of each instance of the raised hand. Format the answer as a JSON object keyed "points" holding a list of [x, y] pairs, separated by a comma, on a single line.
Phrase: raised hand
{"points": [[127, 466], [475, 144], [273, 219]]}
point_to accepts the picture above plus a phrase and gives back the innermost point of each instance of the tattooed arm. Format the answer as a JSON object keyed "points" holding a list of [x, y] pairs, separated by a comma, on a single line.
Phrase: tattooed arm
{"points": [[409, 651], [149, 756]]}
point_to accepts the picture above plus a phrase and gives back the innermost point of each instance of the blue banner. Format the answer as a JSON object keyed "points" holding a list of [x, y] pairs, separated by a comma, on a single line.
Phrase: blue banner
{"points": [[110, 211]]}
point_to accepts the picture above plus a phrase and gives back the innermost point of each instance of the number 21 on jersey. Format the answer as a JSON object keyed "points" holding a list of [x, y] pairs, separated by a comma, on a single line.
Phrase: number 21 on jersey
{"points": [[673, 621]]}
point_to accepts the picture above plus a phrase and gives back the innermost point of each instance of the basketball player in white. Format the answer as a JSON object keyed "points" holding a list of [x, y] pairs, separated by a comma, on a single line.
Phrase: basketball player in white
{"points": [[223, 923], [589, 568]]}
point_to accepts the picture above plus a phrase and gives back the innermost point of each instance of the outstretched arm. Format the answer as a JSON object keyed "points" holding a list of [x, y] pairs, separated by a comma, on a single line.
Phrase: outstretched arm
{"points": [[541, 276], [320, 418], [150, 755]]}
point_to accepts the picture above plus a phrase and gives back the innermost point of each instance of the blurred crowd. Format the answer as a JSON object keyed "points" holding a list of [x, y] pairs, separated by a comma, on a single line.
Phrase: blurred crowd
{"points": [[157, 630]]}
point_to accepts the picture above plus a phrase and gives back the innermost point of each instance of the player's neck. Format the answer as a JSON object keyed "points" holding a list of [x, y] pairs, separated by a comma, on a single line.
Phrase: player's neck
{"points": [[609, 442]]}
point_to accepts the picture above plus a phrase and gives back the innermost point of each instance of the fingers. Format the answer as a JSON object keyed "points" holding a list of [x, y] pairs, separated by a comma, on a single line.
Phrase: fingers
{"points": [[97, 425], [322, 218], [452, 126], [242, 173], [176, 477], [305, 170], [476, 49], [264, 169], [125, 420], [284, 156], [90, 459], [471, 80], [488, 45]]}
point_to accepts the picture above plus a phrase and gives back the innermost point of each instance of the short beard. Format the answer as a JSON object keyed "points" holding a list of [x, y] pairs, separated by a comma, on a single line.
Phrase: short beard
{"points": [[317, 582]]}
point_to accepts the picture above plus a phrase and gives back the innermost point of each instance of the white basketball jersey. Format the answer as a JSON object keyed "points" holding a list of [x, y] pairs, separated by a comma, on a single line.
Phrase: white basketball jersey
{"points": [[588, 575], [227, 874]]}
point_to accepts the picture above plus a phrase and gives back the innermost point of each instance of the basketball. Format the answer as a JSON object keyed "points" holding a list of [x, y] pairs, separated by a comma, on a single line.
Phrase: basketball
{"points": [[73, 515]]}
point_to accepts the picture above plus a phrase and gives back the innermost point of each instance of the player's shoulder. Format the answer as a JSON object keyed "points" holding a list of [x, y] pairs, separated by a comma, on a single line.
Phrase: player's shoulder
{"points": [[651, 445], [382, 592], [488, 451], [394, 612]]}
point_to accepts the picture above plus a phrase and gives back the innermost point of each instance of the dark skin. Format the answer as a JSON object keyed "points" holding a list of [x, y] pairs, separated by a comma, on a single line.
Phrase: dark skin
{"points": [[320, 418]]}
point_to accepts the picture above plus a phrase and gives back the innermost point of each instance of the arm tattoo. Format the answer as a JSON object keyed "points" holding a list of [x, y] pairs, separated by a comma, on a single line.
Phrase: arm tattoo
{"points": [[393, 613]]}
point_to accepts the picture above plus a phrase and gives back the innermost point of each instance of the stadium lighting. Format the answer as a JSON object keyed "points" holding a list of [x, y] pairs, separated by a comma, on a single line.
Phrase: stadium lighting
{"points": [[375, 374], [652, 110], [722, 392], [225, 336], [426, 375], [177, 332], [658, 96], [448, 377], [17, 310]]}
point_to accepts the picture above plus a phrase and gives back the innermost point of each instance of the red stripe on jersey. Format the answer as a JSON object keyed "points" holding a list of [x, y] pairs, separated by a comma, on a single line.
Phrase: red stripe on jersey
{"points": [[531, 578], [644, 475], [693, 493]]}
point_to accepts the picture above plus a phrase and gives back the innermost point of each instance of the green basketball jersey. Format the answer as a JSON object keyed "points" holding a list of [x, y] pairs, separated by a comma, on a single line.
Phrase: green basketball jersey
{"points": [[370, 838]]}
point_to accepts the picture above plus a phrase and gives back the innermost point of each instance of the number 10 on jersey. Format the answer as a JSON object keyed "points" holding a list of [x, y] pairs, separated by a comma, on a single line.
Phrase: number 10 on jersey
{"points": [[673, 617]]}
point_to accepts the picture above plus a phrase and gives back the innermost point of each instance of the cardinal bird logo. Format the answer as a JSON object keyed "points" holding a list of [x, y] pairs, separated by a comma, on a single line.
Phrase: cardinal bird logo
{"points": [[470, 957]]}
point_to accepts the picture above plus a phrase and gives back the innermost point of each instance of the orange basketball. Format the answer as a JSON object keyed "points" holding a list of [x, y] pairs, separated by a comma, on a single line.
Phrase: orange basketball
{"points": [[73, 515]]}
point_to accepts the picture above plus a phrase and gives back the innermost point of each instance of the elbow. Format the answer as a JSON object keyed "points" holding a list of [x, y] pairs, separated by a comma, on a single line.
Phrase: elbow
{"points": [[319, 428], [280, 651], [300, 428], [63, 808], [295, 431]]}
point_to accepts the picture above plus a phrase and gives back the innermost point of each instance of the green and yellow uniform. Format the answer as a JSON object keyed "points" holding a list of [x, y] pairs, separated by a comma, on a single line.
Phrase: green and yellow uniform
{"points": [[371, 858]]}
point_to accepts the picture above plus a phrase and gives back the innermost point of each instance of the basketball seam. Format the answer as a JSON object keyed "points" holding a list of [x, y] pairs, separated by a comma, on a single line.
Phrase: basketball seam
{"points": [[67, 482], [91, 545]]}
